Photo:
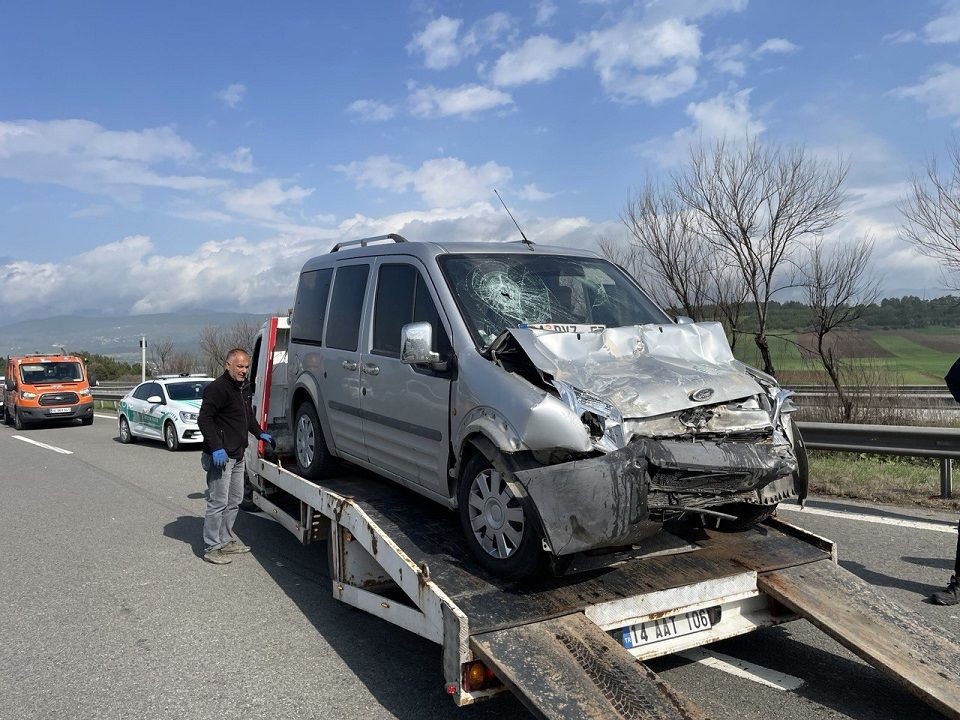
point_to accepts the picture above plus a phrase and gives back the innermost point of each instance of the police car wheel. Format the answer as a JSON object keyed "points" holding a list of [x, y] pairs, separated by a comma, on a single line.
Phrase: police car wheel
{"points": [[170, 438], [126, 436]]}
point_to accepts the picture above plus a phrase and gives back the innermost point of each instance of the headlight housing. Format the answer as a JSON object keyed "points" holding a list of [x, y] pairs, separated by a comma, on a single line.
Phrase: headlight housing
{"points": [[24, 395], [84, 393], [189, 417], [601, 419]]}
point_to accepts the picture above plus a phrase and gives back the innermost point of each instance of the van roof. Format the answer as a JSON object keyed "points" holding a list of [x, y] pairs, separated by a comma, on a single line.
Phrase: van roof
{"points": [[429, 250], [56, 357]]}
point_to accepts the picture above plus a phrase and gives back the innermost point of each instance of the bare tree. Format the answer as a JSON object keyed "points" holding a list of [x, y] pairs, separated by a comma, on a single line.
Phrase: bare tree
{"points": [[756, 203], [932, 213], [182, 362], [727, 293], [161, 351], [216, 341], [668, 254], [839, 286]]}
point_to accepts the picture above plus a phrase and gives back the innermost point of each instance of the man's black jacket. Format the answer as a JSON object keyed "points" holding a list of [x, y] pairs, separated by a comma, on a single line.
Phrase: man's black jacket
{"points": [[226, 417]]}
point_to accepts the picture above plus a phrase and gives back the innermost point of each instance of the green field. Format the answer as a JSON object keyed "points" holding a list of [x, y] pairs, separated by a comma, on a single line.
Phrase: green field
{"points": [[910, 357]]}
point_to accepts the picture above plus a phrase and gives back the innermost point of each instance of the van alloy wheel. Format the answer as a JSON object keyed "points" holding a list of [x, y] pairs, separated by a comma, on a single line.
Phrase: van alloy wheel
{"points": [[495, 515], [306, 440]]}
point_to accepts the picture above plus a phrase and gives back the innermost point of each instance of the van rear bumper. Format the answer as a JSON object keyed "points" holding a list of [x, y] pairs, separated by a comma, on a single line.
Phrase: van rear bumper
{"points": [[56, 412]]}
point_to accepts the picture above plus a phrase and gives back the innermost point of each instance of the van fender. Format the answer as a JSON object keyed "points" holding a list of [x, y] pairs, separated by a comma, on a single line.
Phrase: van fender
{"points": [[307, 382]]}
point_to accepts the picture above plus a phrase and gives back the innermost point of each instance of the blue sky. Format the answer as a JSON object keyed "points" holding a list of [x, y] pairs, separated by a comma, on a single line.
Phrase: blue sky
{"points": [[180, 156]]}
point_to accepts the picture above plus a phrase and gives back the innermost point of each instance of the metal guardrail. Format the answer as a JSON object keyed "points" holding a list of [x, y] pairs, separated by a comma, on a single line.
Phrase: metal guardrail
{"points": [[932, 442]]}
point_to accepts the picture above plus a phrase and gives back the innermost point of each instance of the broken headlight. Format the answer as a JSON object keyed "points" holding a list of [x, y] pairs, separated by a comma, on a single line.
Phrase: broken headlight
{"points": [[601, 419]]}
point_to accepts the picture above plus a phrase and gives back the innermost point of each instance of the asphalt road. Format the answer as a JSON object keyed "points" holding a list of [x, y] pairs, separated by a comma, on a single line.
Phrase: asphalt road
{"points": [[107, 611]]}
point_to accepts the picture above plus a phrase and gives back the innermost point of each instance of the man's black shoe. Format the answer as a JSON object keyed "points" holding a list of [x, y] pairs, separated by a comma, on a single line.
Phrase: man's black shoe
{"points": [[950, 596]]}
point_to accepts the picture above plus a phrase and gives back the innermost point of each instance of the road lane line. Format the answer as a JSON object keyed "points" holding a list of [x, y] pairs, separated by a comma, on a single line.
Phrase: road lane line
{"points": [[880, 520], [105, 417], [43, 445], [743, 669]]}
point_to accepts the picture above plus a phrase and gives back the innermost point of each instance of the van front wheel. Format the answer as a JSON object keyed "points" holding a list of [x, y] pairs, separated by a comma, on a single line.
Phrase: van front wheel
{"points": [[310, 449], [495, 523]]}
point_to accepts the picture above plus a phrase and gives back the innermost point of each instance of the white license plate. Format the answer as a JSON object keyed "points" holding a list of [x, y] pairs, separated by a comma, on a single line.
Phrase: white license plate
{"points": [[667, 628], [57, 411]]}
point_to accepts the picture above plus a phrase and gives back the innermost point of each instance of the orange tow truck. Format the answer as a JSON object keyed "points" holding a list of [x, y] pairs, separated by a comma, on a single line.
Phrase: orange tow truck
{"points": [[43, 388]]}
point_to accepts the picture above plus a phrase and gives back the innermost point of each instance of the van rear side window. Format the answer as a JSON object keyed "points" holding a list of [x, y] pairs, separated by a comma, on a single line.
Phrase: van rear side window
{"points": [[346, 306], [311, 306]]}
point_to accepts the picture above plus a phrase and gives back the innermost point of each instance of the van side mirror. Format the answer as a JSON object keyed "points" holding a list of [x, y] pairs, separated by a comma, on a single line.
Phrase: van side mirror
{"points": [[684, 320], [416, 341], [155, 400]]}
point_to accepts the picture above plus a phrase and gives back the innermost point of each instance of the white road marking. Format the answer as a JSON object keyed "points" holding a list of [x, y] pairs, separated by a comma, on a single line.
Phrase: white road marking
{"points": [[105, 417], [742, 668], [879, 519], [43, 445]]}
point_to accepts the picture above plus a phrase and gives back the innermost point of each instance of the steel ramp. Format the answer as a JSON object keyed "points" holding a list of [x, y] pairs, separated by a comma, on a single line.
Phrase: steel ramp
{"points": [[888, 636], [567, 668]]}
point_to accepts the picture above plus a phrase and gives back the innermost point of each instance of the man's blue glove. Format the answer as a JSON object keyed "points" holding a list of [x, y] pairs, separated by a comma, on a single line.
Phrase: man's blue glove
{"points": [[219, 457], [267, 438]]}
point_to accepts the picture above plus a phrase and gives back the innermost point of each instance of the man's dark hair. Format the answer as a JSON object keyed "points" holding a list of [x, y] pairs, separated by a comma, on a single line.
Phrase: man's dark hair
{"points": [[236, 351]]}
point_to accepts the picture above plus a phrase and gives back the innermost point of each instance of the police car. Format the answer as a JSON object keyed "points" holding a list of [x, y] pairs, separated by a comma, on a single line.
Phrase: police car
{"points": [[164, 408]]}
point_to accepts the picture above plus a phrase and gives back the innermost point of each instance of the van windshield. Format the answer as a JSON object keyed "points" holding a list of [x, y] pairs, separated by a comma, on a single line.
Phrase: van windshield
{"points": [[50, 372], [187, 390], [497, 292]]}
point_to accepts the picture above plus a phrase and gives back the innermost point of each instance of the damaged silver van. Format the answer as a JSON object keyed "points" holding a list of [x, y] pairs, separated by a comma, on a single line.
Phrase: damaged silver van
{"points": [[537, 390]]}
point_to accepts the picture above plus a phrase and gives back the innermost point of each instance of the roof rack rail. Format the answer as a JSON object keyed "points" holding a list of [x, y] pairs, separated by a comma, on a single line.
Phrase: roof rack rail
{"points": [[363, 242], [168, 376]]}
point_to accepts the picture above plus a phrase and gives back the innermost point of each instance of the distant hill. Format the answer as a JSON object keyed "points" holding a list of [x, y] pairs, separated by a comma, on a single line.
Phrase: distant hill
{"points": [[117, 336]]}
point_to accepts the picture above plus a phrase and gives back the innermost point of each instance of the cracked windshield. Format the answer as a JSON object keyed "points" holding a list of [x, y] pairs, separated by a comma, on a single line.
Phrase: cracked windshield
{"points": [[497, 292]]}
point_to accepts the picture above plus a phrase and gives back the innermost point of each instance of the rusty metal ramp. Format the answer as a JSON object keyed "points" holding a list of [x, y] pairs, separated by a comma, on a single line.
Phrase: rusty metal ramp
{"points": [[892, 638], [568, 668]]}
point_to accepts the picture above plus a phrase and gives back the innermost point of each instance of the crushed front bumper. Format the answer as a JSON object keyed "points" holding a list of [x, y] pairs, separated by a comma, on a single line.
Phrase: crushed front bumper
{"points": [[608, 501]]}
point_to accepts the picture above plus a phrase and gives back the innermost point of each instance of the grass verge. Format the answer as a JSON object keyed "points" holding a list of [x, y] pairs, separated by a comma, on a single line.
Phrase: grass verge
{"points": [[880, 478]]}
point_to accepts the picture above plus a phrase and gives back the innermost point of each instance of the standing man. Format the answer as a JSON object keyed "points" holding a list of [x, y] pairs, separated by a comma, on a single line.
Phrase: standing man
{"points": [[951, 595], [225, 419]]}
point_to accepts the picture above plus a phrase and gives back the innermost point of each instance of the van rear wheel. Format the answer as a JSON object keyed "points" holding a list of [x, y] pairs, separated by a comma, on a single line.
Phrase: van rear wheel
{"points": [[310, 448]]}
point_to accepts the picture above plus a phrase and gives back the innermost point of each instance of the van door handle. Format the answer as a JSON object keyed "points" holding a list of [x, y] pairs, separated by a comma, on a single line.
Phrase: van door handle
{"points": [[348, 365], [371, 369]]}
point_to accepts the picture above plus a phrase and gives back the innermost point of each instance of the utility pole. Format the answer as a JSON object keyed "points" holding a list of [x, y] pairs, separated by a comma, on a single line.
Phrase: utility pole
{"points": [[143, 358]]}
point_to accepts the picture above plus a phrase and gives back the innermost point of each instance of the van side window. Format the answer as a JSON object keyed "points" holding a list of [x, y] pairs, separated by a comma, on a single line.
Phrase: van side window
{"points": [[311, 305], [346, 306], [402, 297]]}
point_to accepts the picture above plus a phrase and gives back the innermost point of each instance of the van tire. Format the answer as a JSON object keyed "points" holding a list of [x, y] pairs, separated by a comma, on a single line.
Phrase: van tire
{"points": [[18, 422], [170, 438], [309, 446], [528, 557], [87, 421]]}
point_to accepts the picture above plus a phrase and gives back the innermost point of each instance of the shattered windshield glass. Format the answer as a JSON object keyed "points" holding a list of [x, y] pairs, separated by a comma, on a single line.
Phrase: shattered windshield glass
{"points": [[496, 292]]}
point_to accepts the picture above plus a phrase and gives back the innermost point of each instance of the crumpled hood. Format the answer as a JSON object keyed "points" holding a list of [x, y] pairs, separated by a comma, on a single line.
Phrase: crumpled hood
{"points": [[644, 370]]}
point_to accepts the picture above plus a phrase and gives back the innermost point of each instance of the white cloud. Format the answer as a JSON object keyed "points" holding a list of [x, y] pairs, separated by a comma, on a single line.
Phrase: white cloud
{"points": [[946, 28], [232, 95], [372, 110], [239, 161], [438, 43], [92, 211], [648, 63], [776, 45], [723, 116], [731, 59], [465, 100], [441, 182], [442, 45], [263, 200], [533, 193], [899, 37], [940, 92], [539, 59], [545, 11], [87, 157]]}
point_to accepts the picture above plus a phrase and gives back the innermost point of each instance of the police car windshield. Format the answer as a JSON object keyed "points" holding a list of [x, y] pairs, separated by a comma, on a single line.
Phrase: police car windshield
{"points": [[497, 292], [187, 390], [50, 372]]}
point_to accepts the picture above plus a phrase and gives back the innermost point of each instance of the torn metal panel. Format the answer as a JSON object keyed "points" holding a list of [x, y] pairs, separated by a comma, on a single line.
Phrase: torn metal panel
{"points": [[643, 370], [593, 503]]}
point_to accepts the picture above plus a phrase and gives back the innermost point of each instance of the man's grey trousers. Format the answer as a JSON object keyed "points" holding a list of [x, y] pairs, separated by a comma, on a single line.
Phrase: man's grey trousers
{"points": [[224, 495]]}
